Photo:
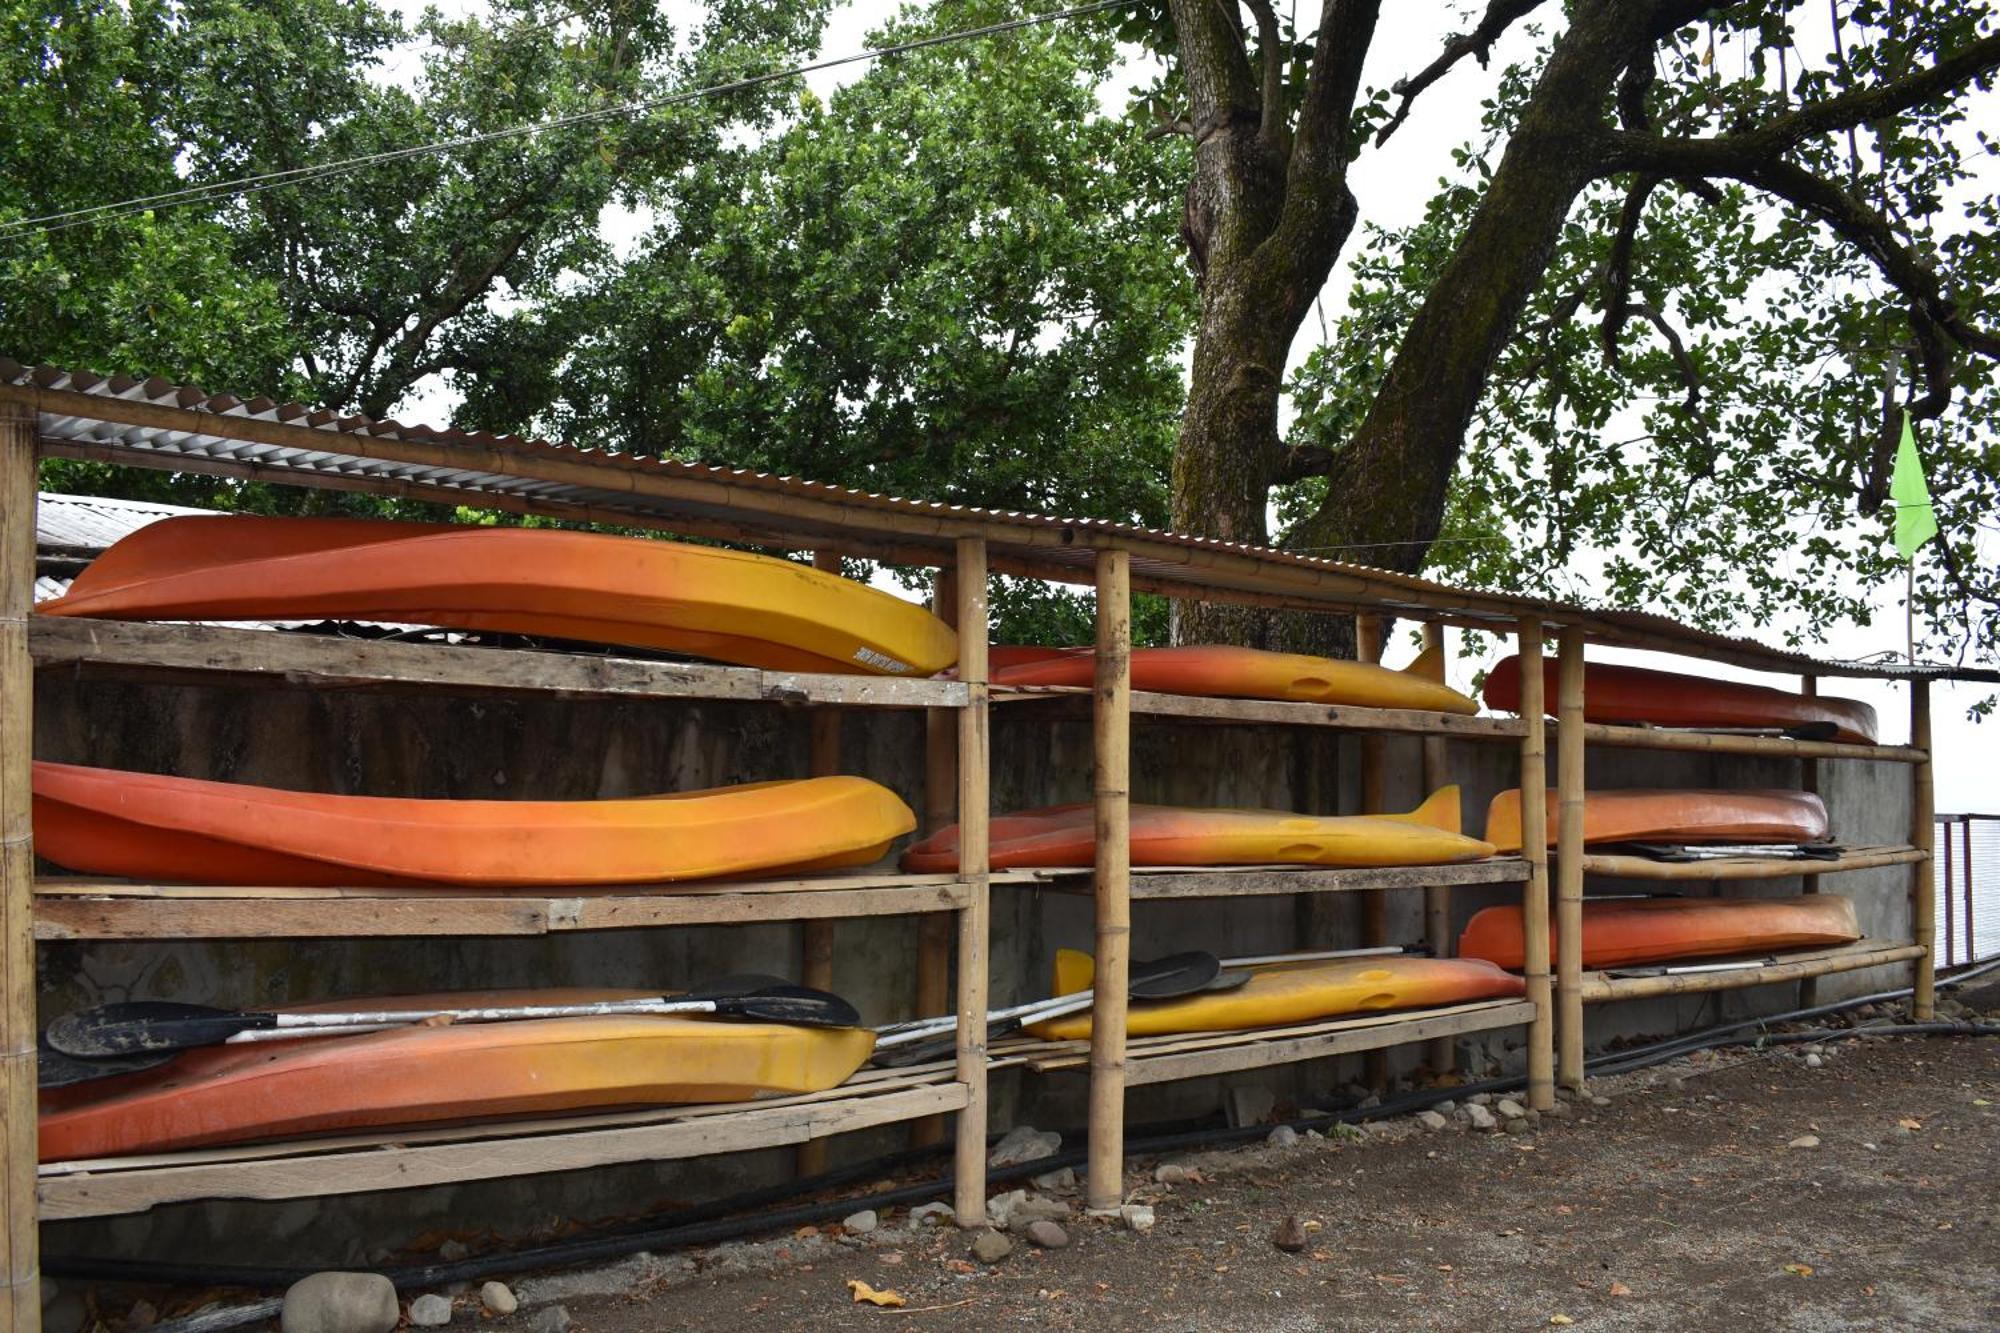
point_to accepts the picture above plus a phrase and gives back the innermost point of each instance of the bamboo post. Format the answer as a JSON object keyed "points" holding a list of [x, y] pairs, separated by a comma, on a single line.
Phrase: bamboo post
{"points": [[1569, 859], [18, 1261], [1369, 632], [1535, 851], [1809, 781], [974, 814], [1111, 793], [934, 935], [816, 937], [1443, 1053], [1923, 834]]}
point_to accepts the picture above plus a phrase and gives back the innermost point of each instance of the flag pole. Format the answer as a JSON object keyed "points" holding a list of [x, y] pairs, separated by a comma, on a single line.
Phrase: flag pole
{"points": [[1910, 610]]}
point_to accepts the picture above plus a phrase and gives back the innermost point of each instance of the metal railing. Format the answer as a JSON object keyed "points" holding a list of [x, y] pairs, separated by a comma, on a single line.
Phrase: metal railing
{"points": [[1966, 870]]}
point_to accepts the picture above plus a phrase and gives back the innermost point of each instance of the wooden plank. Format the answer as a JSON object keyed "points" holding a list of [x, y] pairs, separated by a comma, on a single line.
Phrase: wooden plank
{"points": [[1442, 1056], [1154, 882], [975, 808], [1570, 735], [1111, 794], [1923, 830], [327, 660], [932, 980], [816, 934], [1535, 851], [1777, 747], [829, 882], [86, 1194], [1595, 987], [75, 917], [1749, 867], [1369, 633], [1346, 717], [1809, 778], [20, 1281]]}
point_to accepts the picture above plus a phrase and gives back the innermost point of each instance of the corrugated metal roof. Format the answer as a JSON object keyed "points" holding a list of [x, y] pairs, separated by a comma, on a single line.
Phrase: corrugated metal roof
{"points": [[93, 522], [156, 423]]}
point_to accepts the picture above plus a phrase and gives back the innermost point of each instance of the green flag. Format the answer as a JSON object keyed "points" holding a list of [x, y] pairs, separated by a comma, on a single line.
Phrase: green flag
{"points": [[1916, 520]]}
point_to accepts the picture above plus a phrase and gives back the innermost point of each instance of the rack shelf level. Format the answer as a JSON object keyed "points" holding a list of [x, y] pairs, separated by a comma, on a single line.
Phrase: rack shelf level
{"points": [[436, 1156], [1712, 742], [1596, 987], [1166, 882], [1345, 717], [1748, 867]]}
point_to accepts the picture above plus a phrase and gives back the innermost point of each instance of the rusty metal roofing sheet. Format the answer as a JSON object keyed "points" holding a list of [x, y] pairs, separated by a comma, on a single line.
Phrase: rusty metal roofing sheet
{"points": [[156, 423]]}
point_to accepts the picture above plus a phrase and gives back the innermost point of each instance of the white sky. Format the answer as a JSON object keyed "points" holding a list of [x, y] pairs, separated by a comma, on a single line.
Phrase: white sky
{"points": [[1393, 187]]}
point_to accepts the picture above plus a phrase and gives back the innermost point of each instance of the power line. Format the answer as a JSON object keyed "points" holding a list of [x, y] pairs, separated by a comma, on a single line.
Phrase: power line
{"points": [[50, 223]]}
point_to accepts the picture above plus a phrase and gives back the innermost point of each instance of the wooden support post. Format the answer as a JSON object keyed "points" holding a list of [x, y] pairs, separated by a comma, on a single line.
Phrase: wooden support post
{"points": [[974, 815], [20, 1297], [1923, 836], [1111, 792], [1535, 851], [934, 933], [1442, 1055], [1369, 633], [816, 937], [1809, 781], [1569, 859]]}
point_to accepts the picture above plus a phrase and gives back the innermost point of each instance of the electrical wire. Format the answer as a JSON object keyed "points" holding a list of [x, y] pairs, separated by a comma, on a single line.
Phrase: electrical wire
{"points": [[49, 223]]}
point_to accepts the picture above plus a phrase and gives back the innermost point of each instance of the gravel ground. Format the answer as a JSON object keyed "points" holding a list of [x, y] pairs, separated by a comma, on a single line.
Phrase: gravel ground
{"points": [[1743, 1190]]}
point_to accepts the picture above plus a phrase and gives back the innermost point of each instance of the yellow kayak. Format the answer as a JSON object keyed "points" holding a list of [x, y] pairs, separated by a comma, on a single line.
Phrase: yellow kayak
{"points": [[1293, 993], [1245, 673]]}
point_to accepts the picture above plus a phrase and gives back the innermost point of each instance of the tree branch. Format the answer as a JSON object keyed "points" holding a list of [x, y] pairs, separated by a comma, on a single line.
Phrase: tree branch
{"points": [[1883, 100], [1272, 55], [1302, 461], [1618, 266], [1500, 15]]}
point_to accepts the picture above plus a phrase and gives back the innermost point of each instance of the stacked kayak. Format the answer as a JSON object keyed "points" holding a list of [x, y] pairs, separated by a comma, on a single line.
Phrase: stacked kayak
{"points": [[146, 826], [1288, 993], [1244, 673], [1065, 835], [1619, 694], [1622, 931], [422, 1075], [1671, 815], [701, 600]]}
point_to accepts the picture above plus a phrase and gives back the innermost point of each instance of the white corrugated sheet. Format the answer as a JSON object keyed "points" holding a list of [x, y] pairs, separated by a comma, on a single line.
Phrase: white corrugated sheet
{"points": [[93, 522]]}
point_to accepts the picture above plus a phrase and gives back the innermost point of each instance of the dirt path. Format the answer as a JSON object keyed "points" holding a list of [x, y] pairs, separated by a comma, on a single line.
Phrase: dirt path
{"points": [[1679, 1206]]}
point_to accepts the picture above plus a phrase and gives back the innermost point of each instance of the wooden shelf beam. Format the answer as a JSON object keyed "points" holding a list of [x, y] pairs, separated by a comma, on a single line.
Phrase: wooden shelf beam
{"points": [[1163, 882], [1749, 867], [1595, 987], [1778, 747], [1067, 699]]}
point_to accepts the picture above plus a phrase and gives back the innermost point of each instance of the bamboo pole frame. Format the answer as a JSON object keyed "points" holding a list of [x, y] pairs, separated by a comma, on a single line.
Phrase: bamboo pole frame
{"points": [[1111, 794], [20, 1298], [1923, 835], [1809, 781], [1442, 1054], [1535, 893], [1569, 859], [1370, 632], [934, 941], [974, 843]]}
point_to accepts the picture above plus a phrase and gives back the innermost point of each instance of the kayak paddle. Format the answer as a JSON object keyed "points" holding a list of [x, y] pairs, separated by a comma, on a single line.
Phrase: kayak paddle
{"points": [[138, 1026]]}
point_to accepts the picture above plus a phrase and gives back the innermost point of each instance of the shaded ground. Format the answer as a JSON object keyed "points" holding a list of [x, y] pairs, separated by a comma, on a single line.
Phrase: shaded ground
{"points": [[1678, 1206]]}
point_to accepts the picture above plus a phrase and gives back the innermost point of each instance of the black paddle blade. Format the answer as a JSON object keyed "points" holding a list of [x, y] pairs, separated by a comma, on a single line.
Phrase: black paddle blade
{"points": [[801, 1006], [1813, 731], [1176, 974], [917, 1052], [144, 1026], [735, 983], [53, 1069]]}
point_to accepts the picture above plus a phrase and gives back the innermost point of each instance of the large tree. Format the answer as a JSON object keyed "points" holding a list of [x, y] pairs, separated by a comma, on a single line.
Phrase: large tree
{"points": [[1625, 170]]}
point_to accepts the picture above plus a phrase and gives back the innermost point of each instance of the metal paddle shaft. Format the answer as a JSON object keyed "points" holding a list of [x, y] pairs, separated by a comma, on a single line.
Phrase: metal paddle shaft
{"points": [[156, 1025]]}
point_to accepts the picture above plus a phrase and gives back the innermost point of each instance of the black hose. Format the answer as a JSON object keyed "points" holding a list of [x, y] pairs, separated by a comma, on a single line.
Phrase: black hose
{"points": [[725, 1219]]}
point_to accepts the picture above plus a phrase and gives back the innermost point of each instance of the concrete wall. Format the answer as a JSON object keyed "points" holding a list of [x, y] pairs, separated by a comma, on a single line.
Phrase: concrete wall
{"points": [[437, 744]]}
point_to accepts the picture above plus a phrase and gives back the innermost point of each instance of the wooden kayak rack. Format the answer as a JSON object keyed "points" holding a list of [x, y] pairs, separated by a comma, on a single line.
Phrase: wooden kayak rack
{"points": [[46, 412]]}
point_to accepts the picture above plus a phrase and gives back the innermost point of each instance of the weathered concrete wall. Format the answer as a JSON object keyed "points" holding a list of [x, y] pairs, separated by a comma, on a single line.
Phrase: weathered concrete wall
{"points": [[435, 744]]}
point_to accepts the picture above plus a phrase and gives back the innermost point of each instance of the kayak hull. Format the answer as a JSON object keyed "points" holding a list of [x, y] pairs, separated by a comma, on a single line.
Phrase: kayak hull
{"points": [[150, 827], [1065, 836], [1617, 694], [425, 1075], [1672, 815], [1619, 932], [701, 600], [1241, 673], [1294, 993]]}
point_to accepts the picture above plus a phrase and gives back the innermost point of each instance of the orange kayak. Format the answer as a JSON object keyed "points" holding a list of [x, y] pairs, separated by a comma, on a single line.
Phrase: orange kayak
{"points": [[419, 1075], [702, 600], [1245, 673], [1617, 932], [1647, 814], [1670, 699], [1293, 993], [1163, 835], [104, 821]]}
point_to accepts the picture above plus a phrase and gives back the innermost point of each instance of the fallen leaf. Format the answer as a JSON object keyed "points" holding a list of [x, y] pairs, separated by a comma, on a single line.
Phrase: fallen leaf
{"points": [[1981, 1101], [1911, 1124], [1564, 1210], [960, 1266], [1620, 1289], [1560, 1320], [1868, 1290], [806, 1232], [863, 1292], [1801, 1270]]}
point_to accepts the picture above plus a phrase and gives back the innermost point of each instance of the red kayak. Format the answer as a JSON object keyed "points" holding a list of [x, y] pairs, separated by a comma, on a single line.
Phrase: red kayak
{"points": [[1621, 931], [1624, 694], [1647, 814]]}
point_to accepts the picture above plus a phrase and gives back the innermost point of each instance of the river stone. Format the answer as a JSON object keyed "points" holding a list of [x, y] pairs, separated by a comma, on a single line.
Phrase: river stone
{"points": [[1510, 1109], [1138, 1217], [861, 1223], [990, 1247], [430, 1311], [1047, 1234], [1480, 1117], [1284, 1136], [499, 1298], [932, 1214], [1024, 1143], [554, 1319], [1431, 1120], [340, 1303]]}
